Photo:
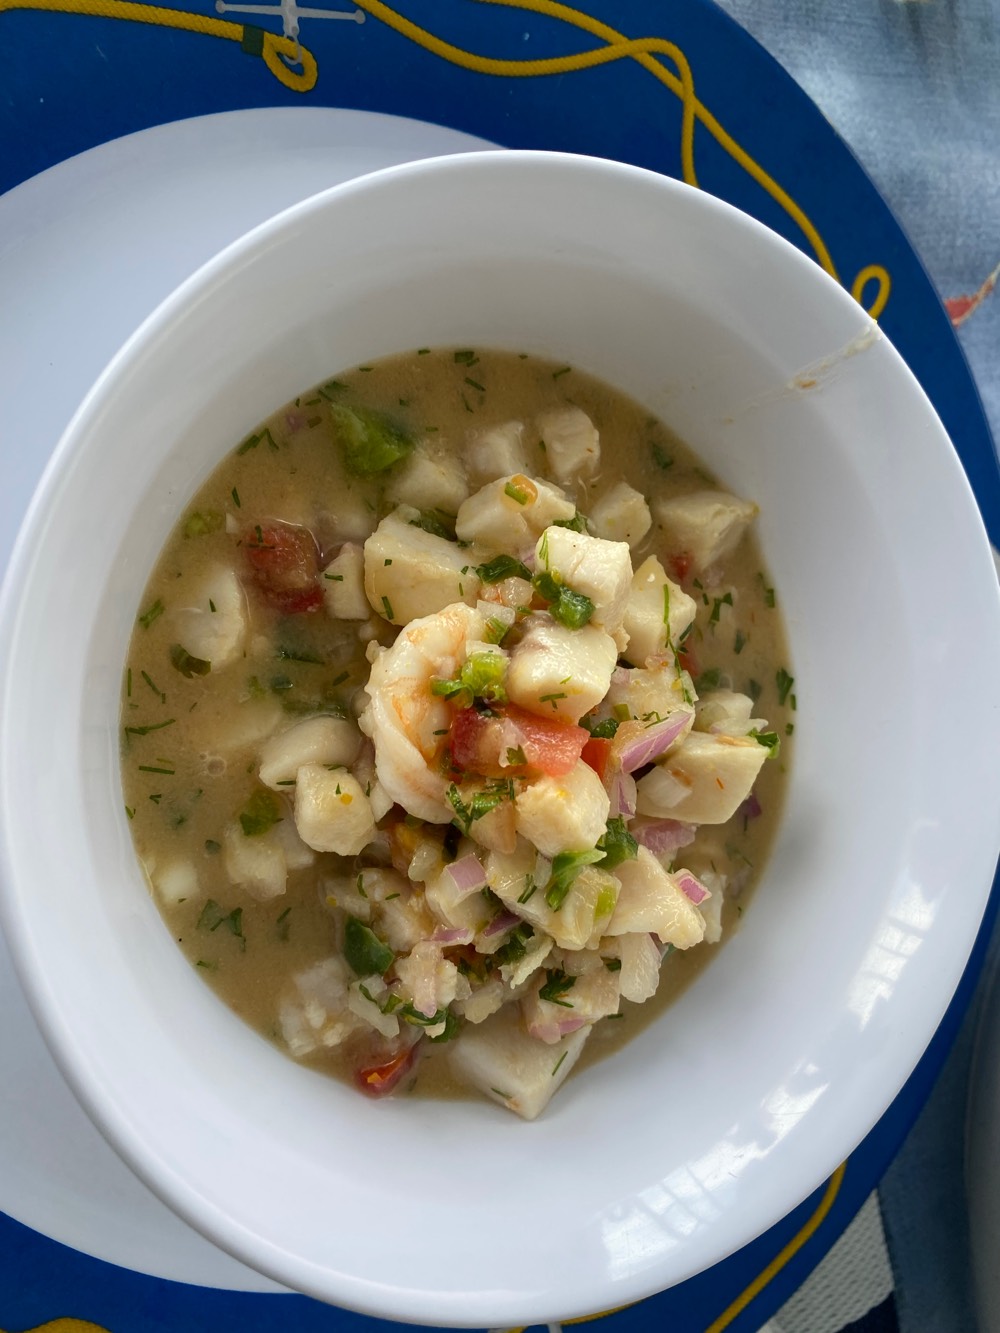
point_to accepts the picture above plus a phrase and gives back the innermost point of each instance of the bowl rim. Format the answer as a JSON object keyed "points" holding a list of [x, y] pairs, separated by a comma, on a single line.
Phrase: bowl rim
{"points": [[174, 1190]]}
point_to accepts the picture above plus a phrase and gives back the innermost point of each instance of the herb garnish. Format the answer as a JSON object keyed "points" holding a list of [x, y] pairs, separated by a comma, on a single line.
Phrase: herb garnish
{"points": [[366, 954], [557, 983], [186, 664], [784, 683], [503, 567], [260, 813], [566, 866], [152, 613]]}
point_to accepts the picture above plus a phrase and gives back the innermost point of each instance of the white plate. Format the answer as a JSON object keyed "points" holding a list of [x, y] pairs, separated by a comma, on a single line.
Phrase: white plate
{"points": [[87, 250]]}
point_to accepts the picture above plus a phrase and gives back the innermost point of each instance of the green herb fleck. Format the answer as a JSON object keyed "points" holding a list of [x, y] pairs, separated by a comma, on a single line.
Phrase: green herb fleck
{"points": [[151, 613], [152, 726], [366, 954], [260, 813], [660, 456], [566, 866], [557, 983], [503, 567], [371, 442], [784, 683], [187, 665]]}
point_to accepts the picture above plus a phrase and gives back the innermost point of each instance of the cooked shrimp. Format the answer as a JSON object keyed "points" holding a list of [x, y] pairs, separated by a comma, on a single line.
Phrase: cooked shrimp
{"points": [[407, 723]]}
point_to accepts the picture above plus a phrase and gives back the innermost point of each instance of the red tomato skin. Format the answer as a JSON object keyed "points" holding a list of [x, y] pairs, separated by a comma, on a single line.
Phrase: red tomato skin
{"points": [[284, 567], [380, 1080], [467, 739], [597, 753], [680, 566]]}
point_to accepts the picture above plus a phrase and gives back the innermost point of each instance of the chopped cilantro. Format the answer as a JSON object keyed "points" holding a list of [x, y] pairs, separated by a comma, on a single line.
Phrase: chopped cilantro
{"points": [[436, 522], [260, 813], [660, 456], [565, 868], [466, 357], [601, 731], [366, 954], [739, 642], [769, 739], [575, 524], [617, 844], [557, 983], [502, 567]]}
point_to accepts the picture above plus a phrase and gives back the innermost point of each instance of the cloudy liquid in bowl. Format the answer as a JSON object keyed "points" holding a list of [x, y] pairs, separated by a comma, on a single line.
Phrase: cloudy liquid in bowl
{"points": [[194, 730]]}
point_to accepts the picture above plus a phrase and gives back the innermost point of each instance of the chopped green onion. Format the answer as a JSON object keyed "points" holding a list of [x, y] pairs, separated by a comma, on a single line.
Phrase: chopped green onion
{"points": [[186, 664], [151, 613], [557, 983], [371, 442], [517, 493], [784, 683]]}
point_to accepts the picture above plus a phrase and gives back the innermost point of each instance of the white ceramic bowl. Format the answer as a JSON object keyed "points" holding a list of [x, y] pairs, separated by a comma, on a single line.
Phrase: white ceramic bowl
{"points": [[713, 1123]]}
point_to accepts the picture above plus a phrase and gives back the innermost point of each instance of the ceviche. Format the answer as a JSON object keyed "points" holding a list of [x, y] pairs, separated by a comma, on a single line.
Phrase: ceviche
{"points": [[455, 723]]}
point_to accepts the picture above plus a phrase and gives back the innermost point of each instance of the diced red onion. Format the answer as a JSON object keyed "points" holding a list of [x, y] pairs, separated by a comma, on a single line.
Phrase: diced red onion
{"points": [[620, 676], [623, 795], [467, 874], [751, 807], [552, 1030], [663, 837], [295, 419], [654, 740], [500, 924], [448, 935], [692, 887]]}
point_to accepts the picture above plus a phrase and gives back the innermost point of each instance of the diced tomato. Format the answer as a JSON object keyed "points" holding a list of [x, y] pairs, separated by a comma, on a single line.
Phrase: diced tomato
{"points": [[380, 1080], [469, 741], [284, 566], [688, 661], [680, 566], [597, 753], [486, 745], [553, 747]]}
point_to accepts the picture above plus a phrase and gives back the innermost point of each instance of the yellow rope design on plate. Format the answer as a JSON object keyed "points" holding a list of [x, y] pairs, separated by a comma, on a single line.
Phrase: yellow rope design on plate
{"points": [[273, 46], [644, 51], [782, 1257], [66, 1326], [872, 273], [280, 53]]}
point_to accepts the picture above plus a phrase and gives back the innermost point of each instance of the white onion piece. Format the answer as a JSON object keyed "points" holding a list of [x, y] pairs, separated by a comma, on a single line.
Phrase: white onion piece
{"points": [[467, 874], [654, 740], [663, 837], [692, 887]]}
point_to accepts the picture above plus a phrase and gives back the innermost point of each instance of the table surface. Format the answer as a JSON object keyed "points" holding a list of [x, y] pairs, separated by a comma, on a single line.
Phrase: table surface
{"points": [[910, 85]]}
